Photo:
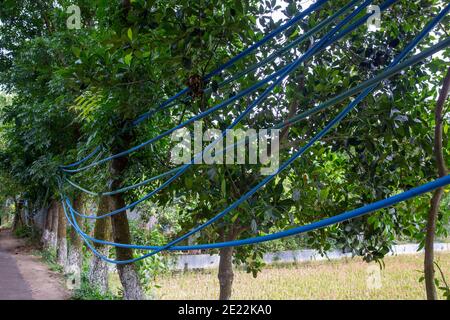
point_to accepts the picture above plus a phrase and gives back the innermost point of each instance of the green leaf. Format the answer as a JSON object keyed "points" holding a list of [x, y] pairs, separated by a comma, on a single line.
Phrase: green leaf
{"points": [[128, 59], [130, 34], [76, 51]]}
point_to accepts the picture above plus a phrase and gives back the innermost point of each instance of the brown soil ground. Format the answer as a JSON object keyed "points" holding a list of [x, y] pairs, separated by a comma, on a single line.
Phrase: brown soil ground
{"points": [[24, 276]]}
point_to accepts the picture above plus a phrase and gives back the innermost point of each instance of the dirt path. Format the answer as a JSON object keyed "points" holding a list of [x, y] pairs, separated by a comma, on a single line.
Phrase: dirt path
{"points": [[23, 276]]}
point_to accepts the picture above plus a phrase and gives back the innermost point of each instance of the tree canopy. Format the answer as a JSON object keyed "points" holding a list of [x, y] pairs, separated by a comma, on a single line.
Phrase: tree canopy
{"points": [[76, 89]]}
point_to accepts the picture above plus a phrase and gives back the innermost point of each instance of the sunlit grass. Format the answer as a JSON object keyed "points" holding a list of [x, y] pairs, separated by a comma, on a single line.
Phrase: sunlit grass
{"points": [[339, 279]]}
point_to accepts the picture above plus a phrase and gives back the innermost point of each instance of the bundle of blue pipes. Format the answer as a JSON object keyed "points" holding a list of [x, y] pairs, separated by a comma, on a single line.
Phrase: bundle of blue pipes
{"points": [[272, 81]]}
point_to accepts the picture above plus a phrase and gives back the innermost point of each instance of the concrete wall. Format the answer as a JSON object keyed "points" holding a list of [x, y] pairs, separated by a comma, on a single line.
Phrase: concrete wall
{"points": [[39, 217]]}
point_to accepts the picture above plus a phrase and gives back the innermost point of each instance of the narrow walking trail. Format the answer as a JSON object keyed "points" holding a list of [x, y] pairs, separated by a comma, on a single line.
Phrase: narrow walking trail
{"points": [[23, 276]]}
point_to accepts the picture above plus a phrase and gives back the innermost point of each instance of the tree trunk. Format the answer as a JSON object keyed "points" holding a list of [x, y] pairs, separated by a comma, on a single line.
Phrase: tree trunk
{"points": [[61, 252], [120, 228], [53, 236], [437, 196], [121, 234], [22, 213], [75, 256], [4, 219], [119, 222], [47, 228], [226, 274], [98, 269], [6, 211], [17, 222]]}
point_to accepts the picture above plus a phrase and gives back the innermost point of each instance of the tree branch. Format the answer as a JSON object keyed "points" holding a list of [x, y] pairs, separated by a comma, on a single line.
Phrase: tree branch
{"points": [[437, 196]]}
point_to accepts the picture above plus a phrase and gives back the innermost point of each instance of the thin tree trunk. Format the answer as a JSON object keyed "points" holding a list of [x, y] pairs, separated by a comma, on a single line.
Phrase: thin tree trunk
{"points": [[4, 208], [5, 217], [61, 252], [226, 274], [23, 215], [75, 255], [98, 269], [437, 196], [17, 222], [47, 227], [121, 234], [119, 223], [53, 237], [120, 228]]}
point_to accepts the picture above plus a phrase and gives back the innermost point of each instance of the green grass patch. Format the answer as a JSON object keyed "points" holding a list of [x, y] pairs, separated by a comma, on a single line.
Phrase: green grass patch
{"points": [[48, 256], [88, 292]]}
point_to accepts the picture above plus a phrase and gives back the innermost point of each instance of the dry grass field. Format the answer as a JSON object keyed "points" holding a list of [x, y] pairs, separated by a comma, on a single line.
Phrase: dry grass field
{"points": [[338, 279]]}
